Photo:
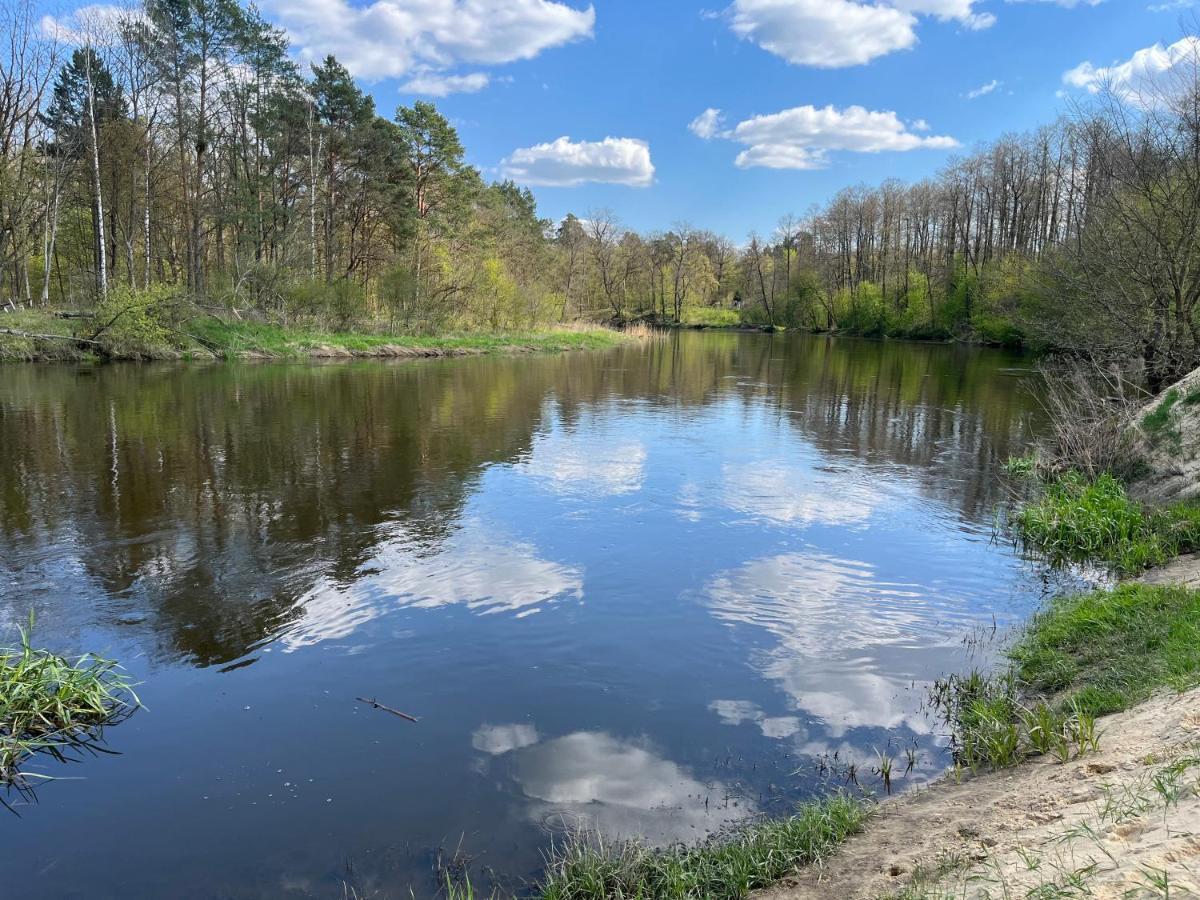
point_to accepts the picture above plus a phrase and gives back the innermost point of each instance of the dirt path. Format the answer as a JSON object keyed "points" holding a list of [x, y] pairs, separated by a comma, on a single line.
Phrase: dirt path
{"points": [[1184, 571], [1123, 822]]}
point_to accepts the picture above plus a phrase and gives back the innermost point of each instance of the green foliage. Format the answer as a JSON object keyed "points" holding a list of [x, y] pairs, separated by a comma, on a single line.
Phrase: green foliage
{"points": [[726, 868], [240, 338], [865, 312], [1159, 424], [1107, 650], [52, 705], [1077, 520], [1083, 656], [1026, 466], [138, 323], [991, 729], [711, 317]]}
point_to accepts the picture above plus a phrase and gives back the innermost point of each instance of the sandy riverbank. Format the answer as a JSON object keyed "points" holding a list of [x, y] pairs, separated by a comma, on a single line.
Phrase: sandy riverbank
{"points": [[1123, 822]]}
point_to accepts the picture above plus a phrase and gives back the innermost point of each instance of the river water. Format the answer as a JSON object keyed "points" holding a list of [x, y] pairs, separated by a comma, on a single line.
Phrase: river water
{"points": [[656, 590]]}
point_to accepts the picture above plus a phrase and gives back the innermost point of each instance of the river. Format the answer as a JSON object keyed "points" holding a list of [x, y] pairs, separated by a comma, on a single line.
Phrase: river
{"points": [[656, 590]]}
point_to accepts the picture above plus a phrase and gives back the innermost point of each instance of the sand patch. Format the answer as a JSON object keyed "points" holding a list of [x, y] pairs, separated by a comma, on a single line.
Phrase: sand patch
{"points": [[1123, 822]]}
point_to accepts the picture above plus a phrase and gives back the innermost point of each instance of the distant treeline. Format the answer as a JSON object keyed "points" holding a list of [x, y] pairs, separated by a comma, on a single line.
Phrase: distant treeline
{"points": [[176, 155]]}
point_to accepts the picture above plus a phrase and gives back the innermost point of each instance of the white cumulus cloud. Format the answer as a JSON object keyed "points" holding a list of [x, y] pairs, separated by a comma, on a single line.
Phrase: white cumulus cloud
{"points": [[707, 124], [442, 85], [568, 163], [390, 38], [803, 137], [1146, 78], [983, 90], [98, 24], [836, 33]]}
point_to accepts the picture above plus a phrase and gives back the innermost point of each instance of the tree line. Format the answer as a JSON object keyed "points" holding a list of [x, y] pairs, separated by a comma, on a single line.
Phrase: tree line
{"points": [[175, 152]]}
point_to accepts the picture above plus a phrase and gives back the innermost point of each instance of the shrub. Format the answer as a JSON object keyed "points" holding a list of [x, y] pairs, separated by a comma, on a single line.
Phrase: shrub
{"points": [[711, 317], [133, 322]]}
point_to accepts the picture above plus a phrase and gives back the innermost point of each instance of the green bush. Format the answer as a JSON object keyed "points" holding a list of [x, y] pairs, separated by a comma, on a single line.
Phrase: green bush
{"points": [[133, 322], [711, 317]]}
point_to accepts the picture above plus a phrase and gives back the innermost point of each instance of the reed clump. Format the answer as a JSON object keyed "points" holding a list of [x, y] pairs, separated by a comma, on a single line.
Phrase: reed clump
{"points": [[1077, 519], [50, 704], [993, 725]]}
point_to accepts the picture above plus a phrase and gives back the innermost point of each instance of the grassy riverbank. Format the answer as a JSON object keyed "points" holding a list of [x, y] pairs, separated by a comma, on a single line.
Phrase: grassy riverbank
{"points": [[1091, 718], [46, 337], [1075, 520], [724, 868]]}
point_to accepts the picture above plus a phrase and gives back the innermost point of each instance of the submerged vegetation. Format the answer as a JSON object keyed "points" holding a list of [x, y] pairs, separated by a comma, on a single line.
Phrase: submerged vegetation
{"points": [[725, 868], [49, 704]]}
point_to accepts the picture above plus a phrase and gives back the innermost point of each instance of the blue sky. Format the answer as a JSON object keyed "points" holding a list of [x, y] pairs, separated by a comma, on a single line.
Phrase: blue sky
{"points": [[515, 74]]}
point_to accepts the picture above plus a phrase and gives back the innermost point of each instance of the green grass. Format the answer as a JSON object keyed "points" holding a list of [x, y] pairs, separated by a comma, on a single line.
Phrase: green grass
{"points": [[1077, 520], [1108, 650], [274, 340], [992, 728], [758, 855], [1159, 424], [35, 321], [711, 317], [206, 336], [52, 705], [1084, 656]]}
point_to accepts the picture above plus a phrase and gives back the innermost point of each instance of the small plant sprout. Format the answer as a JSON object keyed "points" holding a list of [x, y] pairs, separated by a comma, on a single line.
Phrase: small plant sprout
{"points": [[885, 769]]}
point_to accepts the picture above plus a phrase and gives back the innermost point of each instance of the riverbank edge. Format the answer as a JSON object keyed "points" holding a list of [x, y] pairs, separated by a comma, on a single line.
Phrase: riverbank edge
{"points": [[940, 339], [221, 341], [991, 830]]}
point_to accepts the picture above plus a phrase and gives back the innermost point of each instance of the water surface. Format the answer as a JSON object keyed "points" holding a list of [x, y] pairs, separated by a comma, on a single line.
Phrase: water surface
{"points": [[659, 590]]}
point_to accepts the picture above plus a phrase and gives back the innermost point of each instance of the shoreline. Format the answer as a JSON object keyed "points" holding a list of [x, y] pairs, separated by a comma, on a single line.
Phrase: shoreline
{"points": [[1105, 825], [220, 341], [1122, 820]]}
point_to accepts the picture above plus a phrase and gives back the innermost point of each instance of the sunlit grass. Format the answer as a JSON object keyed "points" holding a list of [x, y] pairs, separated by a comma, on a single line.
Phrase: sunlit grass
{"points": [[758, 855], [1077, 520], [53, 705], [1083, 656], [274, 340], [1108, 650], [16, 348], [711, 317]]}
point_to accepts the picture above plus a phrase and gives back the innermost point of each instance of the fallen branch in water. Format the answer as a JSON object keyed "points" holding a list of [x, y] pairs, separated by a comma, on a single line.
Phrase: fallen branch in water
{"points": [[49, 337], [394, 712]]}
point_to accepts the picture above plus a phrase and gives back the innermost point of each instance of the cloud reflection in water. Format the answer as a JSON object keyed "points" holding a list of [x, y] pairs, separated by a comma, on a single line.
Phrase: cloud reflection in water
{"points": [[622, 788], [848, 644], [474, 567], [588, 464], [789, 495]]}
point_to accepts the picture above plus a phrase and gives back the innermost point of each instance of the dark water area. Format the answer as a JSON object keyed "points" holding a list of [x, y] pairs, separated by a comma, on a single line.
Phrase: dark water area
{"points": [[657, 590]]}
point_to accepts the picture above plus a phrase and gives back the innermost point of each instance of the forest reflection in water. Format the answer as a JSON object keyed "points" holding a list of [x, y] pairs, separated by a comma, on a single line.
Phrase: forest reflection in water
{"points": [[648, 588]]}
